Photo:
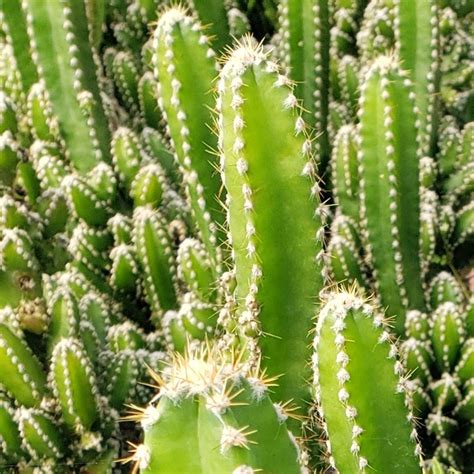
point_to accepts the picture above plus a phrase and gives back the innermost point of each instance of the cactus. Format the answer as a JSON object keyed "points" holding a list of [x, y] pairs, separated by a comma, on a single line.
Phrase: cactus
{"points": [[228, 416], [276, 282], [390, 179], [360, 399], [185, 69], [305, 39], [155, 200], [70, 77], [439, 353]]}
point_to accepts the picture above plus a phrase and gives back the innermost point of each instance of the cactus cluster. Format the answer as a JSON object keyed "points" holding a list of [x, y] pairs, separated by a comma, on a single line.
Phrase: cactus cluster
{"points": [[236, 236]]}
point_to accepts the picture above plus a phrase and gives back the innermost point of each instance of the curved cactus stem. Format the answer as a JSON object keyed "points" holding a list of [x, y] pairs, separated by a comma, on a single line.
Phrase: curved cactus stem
{"points": [[60, 39], [361, 398], [277, 248], [14, 26], [40, 434], [390, 181], [10, 440]]}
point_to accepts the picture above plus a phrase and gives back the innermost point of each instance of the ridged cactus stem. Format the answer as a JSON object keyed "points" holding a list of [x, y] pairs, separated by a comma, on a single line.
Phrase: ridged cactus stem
{"points": [[61, 49], [13, 24], [390, 182], [359, 390], [274, 213], [305, 36], [221, 414], [416, 30], [185, 67]]}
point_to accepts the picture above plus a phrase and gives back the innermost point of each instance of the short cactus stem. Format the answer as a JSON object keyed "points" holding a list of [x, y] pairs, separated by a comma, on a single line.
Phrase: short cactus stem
{"points": [[22, 374], [153, 250], [194, 268], [41, 435], [344, 167], [390, 182], [305, 48], [70, 77], [262, 174], [14, 26], [226, 426], [10, 439], [185, 68], [361, 400], [74, 385]]}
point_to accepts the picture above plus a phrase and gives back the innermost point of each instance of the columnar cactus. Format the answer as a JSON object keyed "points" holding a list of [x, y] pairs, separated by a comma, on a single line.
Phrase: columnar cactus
{"points": [[361, 399], [278, 278], [71, 77], [304, 36], [185, 68], [390, 181], [227, 415], [155, 200]]}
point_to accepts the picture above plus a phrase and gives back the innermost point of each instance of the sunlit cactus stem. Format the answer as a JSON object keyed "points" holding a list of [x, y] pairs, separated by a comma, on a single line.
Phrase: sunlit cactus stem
{"points": [[223, 415], [361, 399], [390, 181], [59, 36], [416, 30], [277, 247], [185, 67], [305, 49]]}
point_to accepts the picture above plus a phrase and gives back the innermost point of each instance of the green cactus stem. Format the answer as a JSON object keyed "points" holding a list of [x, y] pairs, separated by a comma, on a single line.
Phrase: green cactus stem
{"points": [[277, 249], [153, 249], [361, 399], [22, 375], [185, 68], [59, 36], [305, 44], [74, 385], [344, 167], [417, 44], [222, 415], [390, 182]]}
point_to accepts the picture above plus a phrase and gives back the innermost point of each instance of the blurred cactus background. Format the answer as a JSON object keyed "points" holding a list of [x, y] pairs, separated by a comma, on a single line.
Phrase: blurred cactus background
{"points": [[236, 236]]}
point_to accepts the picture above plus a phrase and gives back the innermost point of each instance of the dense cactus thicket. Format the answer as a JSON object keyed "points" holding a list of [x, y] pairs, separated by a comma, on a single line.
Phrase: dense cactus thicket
{"points": [[236, 236]]}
